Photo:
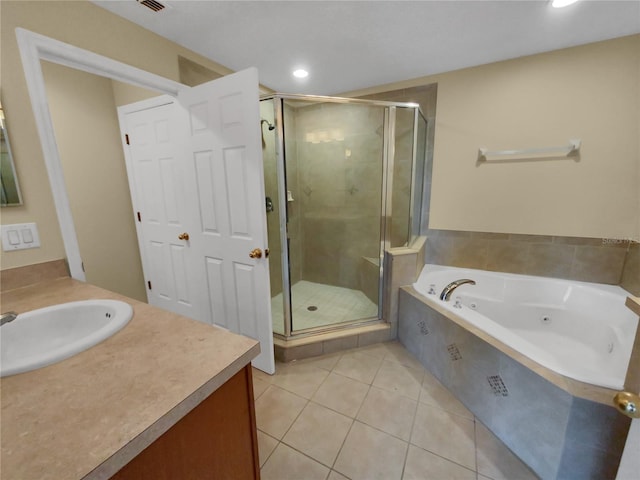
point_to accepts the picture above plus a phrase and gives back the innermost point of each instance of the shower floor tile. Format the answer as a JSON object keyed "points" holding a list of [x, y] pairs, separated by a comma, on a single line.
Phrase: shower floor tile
{"points": [[373, 427], [332, 305]]}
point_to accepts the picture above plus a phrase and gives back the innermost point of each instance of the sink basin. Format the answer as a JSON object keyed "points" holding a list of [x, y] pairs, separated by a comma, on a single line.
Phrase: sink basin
{"points": [[49, 335]]}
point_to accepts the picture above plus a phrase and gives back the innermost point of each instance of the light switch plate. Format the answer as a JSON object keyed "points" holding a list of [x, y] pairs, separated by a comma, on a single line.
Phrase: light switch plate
{"points": [[20, 236]]}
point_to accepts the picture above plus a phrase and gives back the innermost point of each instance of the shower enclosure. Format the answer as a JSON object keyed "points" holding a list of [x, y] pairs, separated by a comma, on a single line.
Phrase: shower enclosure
{"points": [[344, 182]]}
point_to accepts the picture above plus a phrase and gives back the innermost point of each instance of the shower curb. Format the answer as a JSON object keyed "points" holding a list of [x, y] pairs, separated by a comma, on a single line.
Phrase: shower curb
{"points": [[331, 342]]}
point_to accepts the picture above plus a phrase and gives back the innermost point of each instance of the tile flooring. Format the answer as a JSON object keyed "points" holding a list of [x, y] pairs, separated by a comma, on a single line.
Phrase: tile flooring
{"points": [[371, 413], [333, 305]]}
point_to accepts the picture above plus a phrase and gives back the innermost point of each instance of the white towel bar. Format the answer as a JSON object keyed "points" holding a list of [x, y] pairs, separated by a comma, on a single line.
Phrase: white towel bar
{"points": [[574, 146]]}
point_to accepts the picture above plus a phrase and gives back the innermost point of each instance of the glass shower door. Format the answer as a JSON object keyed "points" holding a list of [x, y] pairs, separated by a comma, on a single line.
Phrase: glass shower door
{"points": [[272, 207], [334, 164]]}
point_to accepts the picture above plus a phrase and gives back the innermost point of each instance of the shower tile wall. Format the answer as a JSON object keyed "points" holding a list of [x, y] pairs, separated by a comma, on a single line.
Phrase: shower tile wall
{"points": [[338, 192], [271, 191], [403, 163], [425, 96]]}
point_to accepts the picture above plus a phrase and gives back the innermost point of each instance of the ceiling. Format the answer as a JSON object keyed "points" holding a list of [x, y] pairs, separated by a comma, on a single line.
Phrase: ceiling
{"points": [[352, 45]]}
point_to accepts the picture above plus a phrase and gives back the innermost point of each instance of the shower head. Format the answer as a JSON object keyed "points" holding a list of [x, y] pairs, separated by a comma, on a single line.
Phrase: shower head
{"points": [[270, 125]]}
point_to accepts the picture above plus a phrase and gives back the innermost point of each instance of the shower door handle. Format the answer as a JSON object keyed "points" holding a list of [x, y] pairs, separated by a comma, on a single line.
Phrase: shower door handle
{"points": [[255, 253]]}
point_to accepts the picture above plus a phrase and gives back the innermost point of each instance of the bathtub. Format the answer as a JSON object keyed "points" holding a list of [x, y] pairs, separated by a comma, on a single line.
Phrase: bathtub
{"points": [[577, 329]]}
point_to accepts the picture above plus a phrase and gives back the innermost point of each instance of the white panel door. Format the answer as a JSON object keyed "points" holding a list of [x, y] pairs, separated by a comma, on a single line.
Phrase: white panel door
{"points": [[195, 168], [163, 201], [225, 152]]}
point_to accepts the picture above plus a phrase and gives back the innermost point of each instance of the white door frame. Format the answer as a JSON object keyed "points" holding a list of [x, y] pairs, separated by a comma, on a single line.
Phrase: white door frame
{"points": [[34, 48]]}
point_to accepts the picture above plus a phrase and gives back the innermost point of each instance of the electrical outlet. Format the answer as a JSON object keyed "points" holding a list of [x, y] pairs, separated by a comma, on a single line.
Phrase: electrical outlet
{"points": [[20, 236]]}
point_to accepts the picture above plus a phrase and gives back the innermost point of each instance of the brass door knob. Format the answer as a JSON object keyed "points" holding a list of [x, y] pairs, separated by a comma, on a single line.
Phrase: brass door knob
{"points": [[255, 253], [183, 236], [628, 404]]}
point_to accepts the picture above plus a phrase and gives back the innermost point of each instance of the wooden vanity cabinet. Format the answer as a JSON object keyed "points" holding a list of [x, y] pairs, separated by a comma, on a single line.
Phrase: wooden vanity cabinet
{"points": [[216, 440]]}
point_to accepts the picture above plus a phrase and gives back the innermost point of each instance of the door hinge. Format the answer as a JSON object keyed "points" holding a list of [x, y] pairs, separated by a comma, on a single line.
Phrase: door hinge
{"points": [[82, 263], [126, 138], [149, 284], [139, 217]]}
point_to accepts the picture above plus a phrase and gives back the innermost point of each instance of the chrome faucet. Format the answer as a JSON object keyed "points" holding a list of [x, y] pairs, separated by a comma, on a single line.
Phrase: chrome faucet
{"points": [[448, 290], [7, 317]]}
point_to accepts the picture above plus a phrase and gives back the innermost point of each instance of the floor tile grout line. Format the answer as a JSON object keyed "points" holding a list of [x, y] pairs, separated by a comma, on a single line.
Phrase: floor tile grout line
{"points": [[475, 444], [307, 455], [380, 430], [301, 410], [294, 420], [274, 448], [331, 409], [442, 456], [367, 394], [389, 357], [413, 424], [310, 400], [281, 441], [314, 391], [334, 410], [351, 378], [473, 418], [397, 393], [344, 440], [354, 417], [439, 407]]}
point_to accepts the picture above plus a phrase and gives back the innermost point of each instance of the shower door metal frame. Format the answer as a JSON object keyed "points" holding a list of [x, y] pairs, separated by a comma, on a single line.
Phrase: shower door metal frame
{"points": [[283, 213], [386, 208], [388, 161], [412, 207]]}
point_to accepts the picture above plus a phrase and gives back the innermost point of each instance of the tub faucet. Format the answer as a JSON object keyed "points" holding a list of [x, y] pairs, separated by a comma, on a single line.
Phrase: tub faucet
{"points": [[448, 290], [7, 317]]}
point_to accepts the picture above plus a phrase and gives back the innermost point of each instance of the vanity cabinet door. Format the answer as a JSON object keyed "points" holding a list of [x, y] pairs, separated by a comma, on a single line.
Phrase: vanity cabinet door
{"points": [[216, 440]]}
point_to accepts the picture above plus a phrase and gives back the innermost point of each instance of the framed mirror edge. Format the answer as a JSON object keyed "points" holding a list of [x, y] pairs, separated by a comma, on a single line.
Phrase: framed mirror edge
{"points": [[8, 163]]}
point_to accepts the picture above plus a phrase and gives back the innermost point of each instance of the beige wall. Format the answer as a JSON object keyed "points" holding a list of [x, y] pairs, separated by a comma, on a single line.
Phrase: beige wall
{"points": [[85, 122], [87, 26], [589, 92]]}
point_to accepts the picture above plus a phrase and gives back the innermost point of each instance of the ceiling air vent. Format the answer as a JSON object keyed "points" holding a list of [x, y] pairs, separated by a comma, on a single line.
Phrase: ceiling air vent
{"points": [[152, 4]]}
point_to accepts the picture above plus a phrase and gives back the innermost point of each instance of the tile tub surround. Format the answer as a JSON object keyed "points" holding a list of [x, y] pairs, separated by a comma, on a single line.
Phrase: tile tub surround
{"points": [[402, 266], [610, 261], [551, 423], [371, 413], [110, 402], [632, 382], [630, 280]]}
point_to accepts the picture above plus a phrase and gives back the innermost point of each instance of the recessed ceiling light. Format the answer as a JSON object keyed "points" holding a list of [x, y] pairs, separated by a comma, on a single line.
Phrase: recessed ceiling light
{"points": [[300, 73], [562, 3]]}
